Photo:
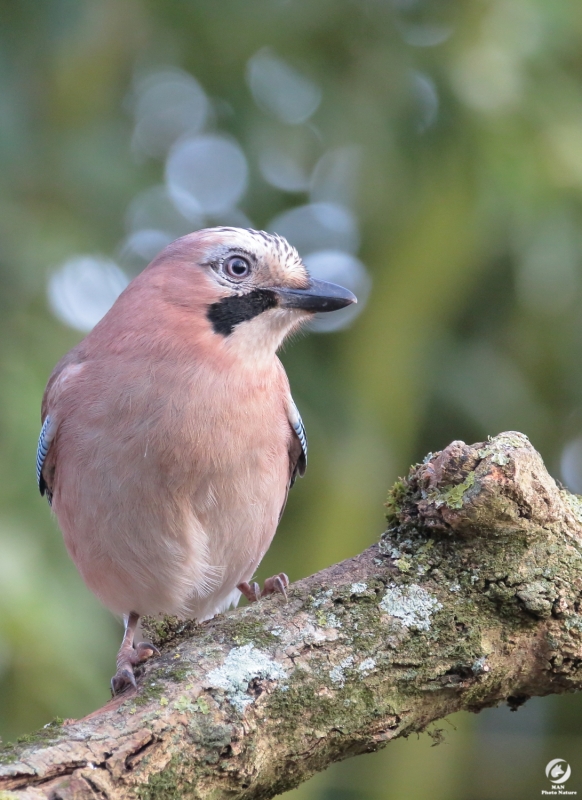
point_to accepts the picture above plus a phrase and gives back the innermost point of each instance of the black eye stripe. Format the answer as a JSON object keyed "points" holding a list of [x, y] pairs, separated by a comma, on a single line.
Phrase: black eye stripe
{"points": [[231, 311]]}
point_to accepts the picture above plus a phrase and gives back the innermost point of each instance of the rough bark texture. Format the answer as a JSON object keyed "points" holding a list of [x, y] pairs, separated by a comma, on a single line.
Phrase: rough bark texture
{"points": [[472, 597]]}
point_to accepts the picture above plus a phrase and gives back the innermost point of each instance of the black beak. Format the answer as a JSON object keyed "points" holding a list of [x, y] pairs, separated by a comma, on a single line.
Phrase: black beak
{"points": [[319, 296]]}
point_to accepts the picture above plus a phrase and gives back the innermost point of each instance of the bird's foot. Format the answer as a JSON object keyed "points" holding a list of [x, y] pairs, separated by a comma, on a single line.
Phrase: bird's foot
{"points": [[127, 659], [123, 680], [276, 585]]}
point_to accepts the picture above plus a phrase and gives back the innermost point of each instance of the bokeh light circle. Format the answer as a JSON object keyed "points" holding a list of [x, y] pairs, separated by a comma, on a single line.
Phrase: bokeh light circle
{"points": [[168, 104], [346, 270], [206, 174], [282, 90], [318, 226], [83, 290]]}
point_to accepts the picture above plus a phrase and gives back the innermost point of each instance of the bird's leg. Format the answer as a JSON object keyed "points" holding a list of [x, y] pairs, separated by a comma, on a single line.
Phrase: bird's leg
{"points": [[130, 656], [276, 584]]}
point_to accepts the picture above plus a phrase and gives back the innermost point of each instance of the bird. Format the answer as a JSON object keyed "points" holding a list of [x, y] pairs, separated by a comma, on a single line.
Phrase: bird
{"points": [[169, 436]]}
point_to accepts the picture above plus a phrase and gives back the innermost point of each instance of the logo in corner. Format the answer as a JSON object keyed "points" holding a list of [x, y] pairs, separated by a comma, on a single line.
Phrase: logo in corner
{"points": [[558, 771]]}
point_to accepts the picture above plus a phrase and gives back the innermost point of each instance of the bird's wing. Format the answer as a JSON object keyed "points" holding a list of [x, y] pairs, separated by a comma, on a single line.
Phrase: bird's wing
{"points": [[66, 369], [297, 448], [47, 433], [297, 445]]}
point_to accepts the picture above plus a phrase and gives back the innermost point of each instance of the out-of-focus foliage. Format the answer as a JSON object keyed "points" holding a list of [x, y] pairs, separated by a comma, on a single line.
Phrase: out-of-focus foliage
{"points": [[437, 143]]}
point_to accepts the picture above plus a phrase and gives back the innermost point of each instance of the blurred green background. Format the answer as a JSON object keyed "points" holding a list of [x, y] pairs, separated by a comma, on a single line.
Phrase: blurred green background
{"points": [[429, 152]]}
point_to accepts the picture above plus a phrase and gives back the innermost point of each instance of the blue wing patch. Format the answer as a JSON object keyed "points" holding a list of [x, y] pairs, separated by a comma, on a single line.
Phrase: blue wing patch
{"points": [[298, 427], [44, 442]]}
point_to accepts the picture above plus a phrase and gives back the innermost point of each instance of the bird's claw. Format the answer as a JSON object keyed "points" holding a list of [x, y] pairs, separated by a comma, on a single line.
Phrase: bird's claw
{"points": [[276, 585], [127, 659], [123, 680], [250, 590], [143, 651]]}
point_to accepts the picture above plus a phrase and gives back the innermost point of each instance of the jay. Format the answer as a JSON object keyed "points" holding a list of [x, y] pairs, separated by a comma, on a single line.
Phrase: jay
{"points": [[169, 436]]}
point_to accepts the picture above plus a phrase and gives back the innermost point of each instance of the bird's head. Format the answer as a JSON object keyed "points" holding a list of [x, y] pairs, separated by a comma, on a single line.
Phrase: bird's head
{"points": [[251, 286]]}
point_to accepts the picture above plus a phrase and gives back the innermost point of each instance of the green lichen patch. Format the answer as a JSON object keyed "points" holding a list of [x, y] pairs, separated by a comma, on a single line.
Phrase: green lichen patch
{"points": [[202, 705], [49, 734], [325, 701], [169, 784], [177, 674], [453, 496], [403, 564], [163, 631], [479, 694], [152, 690], [573, 502], [513, 439], [184, 704], [497, 456], [243, 629], [395, 501], [498, 446], [211, 736]]}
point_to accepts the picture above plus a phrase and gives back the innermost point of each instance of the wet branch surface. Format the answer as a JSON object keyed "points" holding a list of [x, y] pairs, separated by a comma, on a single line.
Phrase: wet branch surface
{"points": [[471, 598]]}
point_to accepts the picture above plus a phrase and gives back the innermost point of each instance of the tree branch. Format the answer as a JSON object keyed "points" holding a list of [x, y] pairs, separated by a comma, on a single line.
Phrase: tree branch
{"points": [[471, 598]]}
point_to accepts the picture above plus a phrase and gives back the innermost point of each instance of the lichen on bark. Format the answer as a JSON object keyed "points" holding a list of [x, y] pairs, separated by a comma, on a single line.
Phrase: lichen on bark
{"points": [[471, 598]]}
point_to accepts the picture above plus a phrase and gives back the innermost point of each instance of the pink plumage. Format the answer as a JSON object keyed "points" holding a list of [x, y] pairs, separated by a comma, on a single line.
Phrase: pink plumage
{"points": [[171, 438]]}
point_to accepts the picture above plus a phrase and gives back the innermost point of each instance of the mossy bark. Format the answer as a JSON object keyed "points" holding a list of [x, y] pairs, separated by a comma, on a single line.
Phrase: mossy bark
{"points": [[471, 598]]}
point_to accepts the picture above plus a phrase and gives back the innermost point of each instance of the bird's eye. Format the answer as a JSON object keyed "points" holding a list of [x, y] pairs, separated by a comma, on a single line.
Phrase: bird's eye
{"points": [[237, 267]]}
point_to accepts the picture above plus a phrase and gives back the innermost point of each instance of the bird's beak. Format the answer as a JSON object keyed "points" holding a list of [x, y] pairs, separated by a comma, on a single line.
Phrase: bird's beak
{"points": [[319, 296]]}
